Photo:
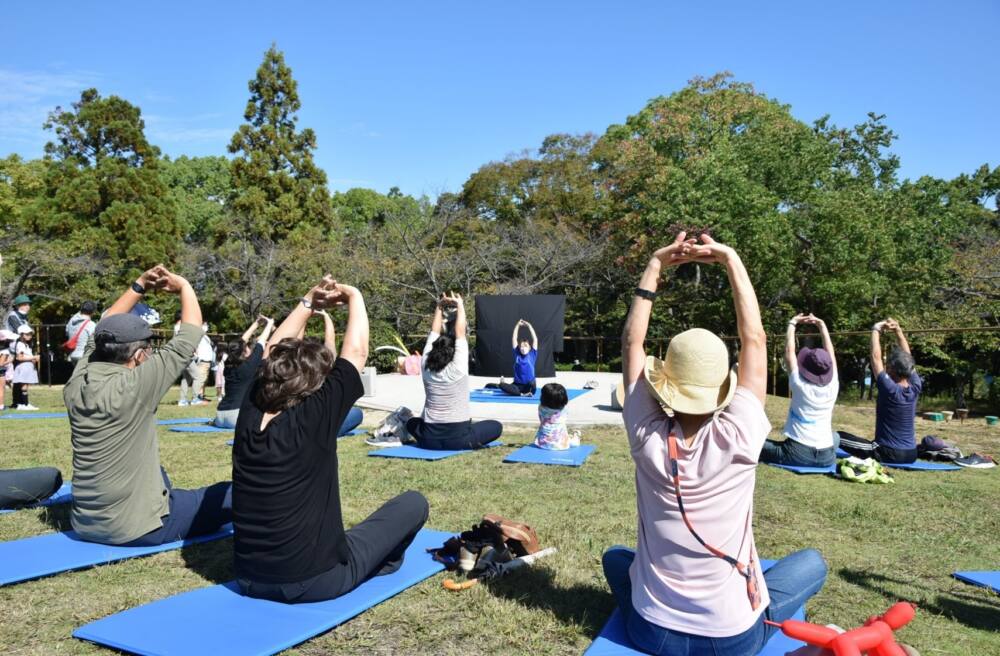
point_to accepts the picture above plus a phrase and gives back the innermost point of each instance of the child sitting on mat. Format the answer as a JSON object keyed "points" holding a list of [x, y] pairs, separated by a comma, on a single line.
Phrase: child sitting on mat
{"points": [[552, 433]]}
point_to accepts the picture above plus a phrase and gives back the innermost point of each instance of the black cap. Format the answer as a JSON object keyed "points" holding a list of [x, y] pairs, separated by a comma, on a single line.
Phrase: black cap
{"points": [[88, 307], [122, 329]]}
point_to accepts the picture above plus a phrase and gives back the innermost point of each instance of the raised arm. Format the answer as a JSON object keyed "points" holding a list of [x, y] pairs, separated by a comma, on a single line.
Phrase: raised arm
{"points": [[513, 338], [248, 333], [461, 323], [876, 350], [266, 333], [437, 323], [329, 332], [295, 323], [637, 321], [827, 342], [752, 373], [354, 347], [894, 326], [790, 359], [534, 335]]}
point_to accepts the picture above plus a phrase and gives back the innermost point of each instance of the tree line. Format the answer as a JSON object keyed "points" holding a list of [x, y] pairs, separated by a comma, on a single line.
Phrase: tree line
{"points": [[818, 211]]}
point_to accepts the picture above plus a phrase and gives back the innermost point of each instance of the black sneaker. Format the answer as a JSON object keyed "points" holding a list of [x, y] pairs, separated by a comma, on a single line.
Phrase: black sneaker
{"points": [[976, 461]]}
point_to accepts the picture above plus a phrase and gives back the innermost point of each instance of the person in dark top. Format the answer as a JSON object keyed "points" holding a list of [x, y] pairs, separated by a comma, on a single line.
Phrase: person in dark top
{"points": [[290, 544], [525, 357], [242, 362], [899, 387]]}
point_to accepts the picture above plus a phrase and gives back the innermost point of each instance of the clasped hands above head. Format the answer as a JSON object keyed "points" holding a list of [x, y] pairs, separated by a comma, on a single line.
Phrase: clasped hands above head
{"points": [[159, 277], [451, 299], [329, 293], [704, 250]]}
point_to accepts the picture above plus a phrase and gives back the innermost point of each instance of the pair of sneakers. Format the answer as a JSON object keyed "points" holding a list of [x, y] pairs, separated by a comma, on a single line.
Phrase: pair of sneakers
{"points": [[25, 406], [392, 431]]}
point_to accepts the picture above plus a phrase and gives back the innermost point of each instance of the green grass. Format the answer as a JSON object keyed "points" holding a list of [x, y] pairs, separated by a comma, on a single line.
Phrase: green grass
{"points": [[882, 543]]}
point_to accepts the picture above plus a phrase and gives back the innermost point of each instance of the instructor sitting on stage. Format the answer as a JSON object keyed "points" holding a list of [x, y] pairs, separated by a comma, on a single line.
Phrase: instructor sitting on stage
{"points": [[525, 357]]}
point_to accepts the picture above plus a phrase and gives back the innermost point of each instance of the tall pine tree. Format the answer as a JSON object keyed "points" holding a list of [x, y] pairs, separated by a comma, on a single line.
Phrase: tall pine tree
{"points": [[103, 202], [278, 186]]}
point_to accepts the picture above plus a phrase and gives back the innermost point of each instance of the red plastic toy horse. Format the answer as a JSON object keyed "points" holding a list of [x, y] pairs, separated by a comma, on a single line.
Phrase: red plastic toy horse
{"points": [[874, 638]]}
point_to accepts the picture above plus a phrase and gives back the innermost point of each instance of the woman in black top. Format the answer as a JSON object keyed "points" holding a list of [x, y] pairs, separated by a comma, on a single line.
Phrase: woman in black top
{"points": [[242, 362], [290, 544]]}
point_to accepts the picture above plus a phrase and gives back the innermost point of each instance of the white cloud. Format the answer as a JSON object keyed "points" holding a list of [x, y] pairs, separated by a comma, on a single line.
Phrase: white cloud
{"points": [[27, 97], [361, 129]]}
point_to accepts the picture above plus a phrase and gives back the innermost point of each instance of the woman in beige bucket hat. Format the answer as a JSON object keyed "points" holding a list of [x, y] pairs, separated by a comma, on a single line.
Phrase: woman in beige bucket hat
{"points": [[695, 431]]}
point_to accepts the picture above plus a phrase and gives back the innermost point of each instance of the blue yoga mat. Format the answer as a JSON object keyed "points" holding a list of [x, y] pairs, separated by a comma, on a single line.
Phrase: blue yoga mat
{"points": [[982, 579], [613, 639], [34, 415], [842, 454], [63, 495], [497, 396], [924, 465], [219, 620], [32, 558], [416, 453], [200, 429], [192, 420], [832, 469], [534, 455]]}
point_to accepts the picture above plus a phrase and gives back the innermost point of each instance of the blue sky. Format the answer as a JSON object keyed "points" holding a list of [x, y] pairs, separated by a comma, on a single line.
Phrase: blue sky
{"points": [[419, 95]]}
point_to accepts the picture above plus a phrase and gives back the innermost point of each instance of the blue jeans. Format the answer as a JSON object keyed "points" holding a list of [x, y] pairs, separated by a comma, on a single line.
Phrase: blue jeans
{"points": [[791, 452], [790, 582], [192, 513], [351, 421], [227, 419]]}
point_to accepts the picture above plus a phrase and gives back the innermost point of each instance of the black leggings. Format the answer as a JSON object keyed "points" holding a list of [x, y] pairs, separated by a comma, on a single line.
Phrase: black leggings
{"points": [[459, 435], [376, 547], [19, 487], [862, 448], [517, 389], [20, 394]]}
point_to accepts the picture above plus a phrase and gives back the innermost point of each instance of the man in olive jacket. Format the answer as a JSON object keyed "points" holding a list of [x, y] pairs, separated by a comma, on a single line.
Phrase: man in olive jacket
{"points": [[121, 495]]}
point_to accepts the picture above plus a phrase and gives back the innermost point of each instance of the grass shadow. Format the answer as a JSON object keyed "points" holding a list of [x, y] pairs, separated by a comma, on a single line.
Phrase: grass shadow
{"points": [[535, 589], [213, 561], [55, 517], [973, 611]]}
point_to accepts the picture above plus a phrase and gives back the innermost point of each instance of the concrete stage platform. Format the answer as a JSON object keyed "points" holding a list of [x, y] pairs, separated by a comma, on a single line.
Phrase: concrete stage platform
{"points": [[593, 407]]}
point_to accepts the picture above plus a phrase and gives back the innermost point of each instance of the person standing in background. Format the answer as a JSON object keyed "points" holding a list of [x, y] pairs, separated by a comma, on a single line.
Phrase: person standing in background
{"points": [[79, 330], [196, 373], [25, 367], [18, 316]]}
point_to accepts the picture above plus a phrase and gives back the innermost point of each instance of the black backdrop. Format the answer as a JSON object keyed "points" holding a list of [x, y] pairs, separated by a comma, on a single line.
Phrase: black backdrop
{"points": [[495, 319]]}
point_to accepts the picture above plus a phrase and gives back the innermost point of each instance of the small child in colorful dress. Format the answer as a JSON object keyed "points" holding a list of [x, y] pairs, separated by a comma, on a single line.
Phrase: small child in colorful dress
{"points": [[552, 433]]}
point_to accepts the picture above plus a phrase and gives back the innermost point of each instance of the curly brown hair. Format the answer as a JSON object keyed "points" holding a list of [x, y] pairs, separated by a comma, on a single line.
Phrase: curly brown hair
{"points": [[294, 369]]}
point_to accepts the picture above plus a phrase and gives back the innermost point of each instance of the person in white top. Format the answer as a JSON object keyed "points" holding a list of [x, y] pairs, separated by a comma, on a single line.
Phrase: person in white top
{"points": [[694, 585], [196, 373], [445, 421], [25, 367], [812, 377]]}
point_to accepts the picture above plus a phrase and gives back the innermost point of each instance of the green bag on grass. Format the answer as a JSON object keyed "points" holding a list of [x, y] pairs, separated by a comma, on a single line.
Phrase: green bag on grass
{"points": [[868, 470]]}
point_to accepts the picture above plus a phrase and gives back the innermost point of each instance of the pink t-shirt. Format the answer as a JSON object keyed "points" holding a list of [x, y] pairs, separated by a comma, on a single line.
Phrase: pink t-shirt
{"points": [[676, 582]]}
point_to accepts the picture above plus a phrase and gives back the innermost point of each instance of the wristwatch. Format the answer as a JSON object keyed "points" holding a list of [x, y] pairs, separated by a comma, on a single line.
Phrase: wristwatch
{"points": [[307, 303], [645, 293], [137, 288]]}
